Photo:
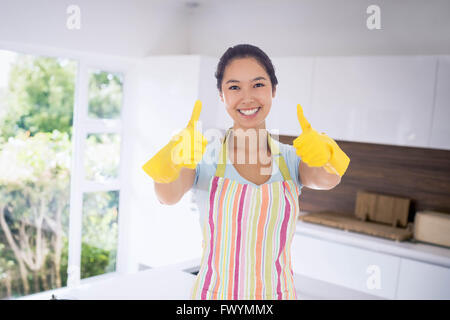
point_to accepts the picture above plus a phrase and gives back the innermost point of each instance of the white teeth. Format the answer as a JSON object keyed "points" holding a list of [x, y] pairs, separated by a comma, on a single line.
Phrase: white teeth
{"points": [[249, 111]]}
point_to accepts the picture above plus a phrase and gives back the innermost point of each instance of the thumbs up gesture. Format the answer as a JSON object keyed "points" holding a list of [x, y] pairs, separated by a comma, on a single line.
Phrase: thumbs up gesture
{"points": [[185, 149], [319, 150]]}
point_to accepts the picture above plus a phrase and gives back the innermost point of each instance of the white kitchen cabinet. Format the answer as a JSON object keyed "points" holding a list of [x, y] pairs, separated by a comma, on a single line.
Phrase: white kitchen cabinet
{"points": [[440, 133], [294, 76], [371, 265], [375, 99], [214, 114], [362, 270], [418, 280], [395, 100]]}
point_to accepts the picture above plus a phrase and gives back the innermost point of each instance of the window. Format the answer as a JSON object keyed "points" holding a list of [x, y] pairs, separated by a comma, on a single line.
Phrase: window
{"points": [[60, 152], [105, 95], [99, 239], [102, 156]]}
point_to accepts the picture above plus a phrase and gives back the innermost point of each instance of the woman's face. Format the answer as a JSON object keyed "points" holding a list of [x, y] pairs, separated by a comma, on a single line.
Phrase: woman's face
{"points": [[247, 93]]}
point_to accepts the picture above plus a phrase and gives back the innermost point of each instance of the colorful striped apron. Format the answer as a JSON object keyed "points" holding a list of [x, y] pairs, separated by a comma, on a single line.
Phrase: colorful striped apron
{"points": [[248, 236]]}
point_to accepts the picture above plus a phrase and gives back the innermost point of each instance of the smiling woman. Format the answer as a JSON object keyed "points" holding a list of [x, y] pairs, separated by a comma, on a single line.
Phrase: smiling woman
{"points": [[248, 196]]}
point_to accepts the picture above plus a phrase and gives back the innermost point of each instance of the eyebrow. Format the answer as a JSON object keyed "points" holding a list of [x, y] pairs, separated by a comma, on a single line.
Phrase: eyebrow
{"points": [[257, 78]]}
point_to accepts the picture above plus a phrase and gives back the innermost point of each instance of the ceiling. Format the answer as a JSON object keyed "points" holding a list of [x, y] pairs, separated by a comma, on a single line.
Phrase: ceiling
{"points": [[139, 28]]}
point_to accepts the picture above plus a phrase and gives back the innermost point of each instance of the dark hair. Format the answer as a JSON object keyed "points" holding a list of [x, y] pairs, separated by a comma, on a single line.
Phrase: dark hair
{"points": [[244, 51]]}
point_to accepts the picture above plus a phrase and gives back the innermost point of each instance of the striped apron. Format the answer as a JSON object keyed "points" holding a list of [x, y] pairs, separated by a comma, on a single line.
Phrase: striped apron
{"points": [[247, 237]]}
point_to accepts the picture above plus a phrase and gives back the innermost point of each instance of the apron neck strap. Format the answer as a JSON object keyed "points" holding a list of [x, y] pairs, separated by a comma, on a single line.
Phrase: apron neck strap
{"points": [[274, 150]]}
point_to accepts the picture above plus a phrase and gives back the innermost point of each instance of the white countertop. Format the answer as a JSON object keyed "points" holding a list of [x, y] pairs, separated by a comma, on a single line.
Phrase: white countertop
{"points": [[153, 284], [171, 283], [407, 249]]}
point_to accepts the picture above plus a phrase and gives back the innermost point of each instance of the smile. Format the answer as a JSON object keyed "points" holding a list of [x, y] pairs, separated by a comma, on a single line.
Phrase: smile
{"points": [[249, 112]]}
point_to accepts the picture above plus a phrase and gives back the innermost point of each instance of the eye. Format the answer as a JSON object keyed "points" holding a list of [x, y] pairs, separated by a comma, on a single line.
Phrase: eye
{"points": [[236, 87]]}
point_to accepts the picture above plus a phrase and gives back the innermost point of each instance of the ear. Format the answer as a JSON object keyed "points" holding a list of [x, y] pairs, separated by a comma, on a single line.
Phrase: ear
{"points": [[274, 90], [221, 95]]}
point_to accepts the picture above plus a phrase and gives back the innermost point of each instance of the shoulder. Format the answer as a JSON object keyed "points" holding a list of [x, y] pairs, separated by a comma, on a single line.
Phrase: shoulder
{"points": [[287, 150], [292, 160], [212, 150], [207, 166]]}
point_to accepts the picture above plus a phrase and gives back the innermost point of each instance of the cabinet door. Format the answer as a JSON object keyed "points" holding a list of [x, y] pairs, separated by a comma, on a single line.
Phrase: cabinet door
{"points": [[376, 99], [214, 114], [294, 87], [419, 280], [363, 270], [440, 133]]}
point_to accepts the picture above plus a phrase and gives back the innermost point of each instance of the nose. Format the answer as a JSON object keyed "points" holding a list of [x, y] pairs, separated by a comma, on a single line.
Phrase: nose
{"points": [[247, 97], [247, 101]]}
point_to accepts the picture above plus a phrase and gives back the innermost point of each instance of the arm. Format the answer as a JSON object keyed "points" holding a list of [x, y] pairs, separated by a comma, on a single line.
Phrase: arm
{"points": [[317, 178], [171, 193]]}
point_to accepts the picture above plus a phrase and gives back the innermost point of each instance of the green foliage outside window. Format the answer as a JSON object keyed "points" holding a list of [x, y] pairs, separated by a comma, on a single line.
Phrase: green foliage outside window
{"points": [[105, 95], [36, 118], [40, 96]]}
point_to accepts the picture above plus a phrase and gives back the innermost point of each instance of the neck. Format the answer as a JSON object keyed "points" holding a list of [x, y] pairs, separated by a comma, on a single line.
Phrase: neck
{"points": [[262, 125], [250, 140]]}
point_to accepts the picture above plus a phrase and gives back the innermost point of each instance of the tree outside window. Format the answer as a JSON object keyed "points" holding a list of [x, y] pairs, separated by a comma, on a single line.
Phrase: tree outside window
{"points": [[36, 118]]}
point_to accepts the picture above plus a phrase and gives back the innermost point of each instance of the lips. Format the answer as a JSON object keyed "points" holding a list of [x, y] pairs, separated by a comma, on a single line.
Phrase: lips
{"points": [[249, 112]]}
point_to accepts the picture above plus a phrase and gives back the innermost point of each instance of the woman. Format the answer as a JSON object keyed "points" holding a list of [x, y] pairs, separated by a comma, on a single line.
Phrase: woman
{"points": [[247, 192]]}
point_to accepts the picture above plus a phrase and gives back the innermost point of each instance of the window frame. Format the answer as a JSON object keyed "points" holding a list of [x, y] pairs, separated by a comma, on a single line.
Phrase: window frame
{"points": [[82, 127]]}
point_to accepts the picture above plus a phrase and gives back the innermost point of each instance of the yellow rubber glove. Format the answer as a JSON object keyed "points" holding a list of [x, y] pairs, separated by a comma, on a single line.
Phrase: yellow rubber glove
{"points": [[318, 149], [185, 149]]}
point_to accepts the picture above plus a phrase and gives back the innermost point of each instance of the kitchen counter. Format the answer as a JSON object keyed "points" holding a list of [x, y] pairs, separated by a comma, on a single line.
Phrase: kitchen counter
{"points": [[372, 265], [151, 284], [171, 283]]}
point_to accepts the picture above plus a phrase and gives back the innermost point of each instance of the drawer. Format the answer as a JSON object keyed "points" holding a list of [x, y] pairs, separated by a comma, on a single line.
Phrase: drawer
{"points": [[358, 269], [420, 280]]}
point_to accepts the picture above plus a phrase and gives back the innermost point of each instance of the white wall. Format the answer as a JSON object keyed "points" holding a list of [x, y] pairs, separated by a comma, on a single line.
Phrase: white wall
{"points": [[164, 92]]}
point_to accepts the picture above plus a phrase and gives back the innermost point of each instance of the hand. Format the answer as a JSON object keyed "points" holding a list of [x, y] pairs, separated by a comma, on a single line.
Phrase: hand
{"points": [[191, 144], [318, 149], [185, 149]]}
